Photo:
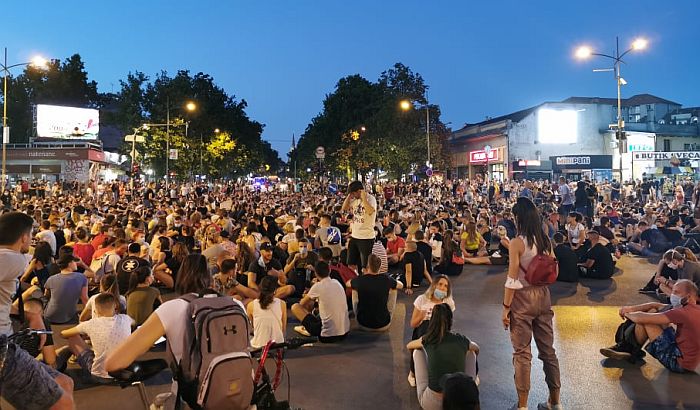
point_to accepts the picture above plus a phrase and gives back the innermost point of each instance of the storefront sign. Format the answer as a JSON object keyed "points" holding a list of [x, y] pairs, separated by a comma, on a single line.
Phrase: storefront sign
{"points": [[640, 142], [52, 153], [482, 156], [582, 162], [665, 156], [529, 163]]}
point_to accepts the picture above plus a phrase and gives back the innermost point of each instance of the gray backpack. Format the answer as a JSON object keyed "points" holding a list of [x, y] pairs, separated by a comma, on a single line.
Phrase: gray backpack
{"points": [[216, 368]]}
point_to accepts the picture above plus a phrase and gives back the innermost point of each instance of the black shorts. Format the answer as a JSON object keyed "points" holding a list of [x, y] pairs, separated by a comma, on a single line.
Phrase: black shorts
{"points": [[28, 383], [359, 251], [313, 325]]}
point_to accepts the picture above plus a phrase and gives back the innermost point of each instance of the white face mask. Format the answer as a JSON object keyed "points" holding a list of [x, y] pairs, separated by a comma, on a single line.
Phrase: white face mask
{"points": [[672, 265], [676, 301]]}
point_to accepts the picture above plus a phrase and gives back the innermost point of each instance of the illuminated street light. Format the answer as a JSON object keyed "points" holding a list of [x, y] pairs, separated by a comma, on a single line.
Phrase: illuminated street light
{"points": [[640, 44], [216, 130], [190, 106], [37, 62], [637, 45], [363, 129], [405, 105], [583, 52]]}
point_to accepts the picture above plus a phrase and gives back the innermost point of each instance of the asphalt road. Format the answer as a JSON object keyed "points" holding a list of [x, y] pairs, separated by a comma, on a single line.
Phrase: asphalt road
{"points": [[368, 371]]}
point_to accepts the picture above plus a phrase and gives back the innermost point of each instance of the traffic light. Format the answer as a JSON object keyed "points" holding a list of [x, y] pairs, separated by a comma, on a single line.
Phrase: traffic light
{"points": [[620, 135]]}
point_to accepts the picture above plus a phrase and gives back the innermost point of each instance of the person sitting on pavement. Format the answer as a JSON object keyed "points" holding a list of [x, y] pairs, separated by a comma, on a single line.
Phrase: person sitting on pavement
{"points": [[678, 350], [686, 268], [440, 291], [651, 241], [437, 353], [267, 314], [471, 241], [141, 298], [374, 297], [415, 268], [106, 331], [128, 265], [599, 263], [108, 284], [333, 322], [576, 233], [447, 265], [666, 269], [296, 267], [500, 257], [64, 291], [459, 392], [425, 249], [566, 259], [395, 246], [265, 265]]}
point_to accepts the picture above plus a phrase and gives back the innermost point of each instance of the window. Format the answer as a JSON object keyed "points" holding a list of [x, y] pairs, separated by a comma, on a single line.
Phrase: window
{"points": [[635, 117], [650, 107], [667, 145]]}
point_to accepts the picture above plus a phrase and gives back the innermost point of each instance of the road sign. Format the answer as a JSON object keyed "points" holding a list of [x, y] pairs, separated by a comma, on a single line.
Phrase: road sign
{"points": [[173, 153], [429, 172], [130, 138], [320, 153]]}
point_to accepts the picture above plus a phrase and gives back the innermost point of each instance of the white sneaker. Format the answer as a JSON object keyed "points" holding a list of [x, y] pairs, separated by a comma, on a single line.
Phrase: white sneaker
{"points": [[515, 407], [547, 406], [302, 331], [411, 379]]}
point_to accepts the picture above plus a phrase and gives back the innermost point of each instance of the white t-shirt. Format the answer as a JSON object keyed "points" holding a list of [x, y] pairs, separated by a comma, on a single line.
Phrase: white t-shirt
{"points": [[574, 232], [105, 333], [13, 266], [427, 305], [49, 237], [332, 307], [173, 316], [362, 222]]}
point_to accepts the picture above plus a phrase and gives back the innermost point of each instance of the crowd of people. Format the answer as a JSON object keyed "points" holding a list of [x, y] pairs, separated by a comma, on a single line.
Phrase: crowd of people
{"points": [[108, 261]]}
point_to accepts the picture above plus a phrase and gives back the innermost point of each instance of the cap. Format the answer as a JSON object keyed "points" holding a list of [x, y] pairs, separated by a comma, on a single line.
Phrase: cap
{"points": [[266, 246], [66, 259]]}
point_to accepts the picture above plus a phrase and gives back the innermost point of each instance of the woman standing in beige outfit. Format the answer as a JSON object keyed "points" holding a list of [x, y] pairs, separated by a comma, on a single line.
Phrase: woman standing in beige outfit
{"points": [[527, 309]]}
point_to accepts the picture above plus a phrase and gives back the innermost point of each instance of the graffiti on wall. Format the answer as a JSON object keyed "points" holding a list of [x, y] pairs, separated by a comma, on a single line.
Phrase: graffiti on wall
{"points": [[77, 170]]}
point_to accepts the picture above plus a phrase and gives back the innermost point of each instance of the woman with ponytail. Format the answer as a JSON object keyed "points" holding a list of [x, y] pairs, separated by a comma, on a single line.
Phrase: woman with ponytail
{"points": [[141, 298], [108, 284], [267, 314]]}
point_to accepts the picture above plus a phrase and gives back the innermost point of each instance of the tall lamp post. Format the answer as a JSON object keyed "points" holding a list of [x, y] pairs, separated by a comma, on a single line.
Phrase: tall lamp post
{"points": [[38, 62], [406, 105], [189, 106], [585, 52]]}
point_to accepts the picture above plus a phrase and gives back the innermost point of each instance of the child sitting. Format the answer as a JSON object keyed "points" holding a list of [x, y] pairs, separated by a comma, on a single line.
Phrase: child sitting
{"points": [[106, 331]]}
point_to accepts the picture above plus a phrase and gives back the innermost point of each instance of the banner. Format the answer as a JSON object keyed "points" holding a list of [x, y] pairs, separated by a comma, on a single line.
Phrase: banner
{"points": [[664, 156]]}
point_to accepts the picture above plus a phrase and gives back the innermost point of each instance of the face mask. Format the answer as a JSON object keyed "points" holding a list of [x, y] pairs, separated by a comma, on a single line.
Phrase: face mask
{"points": [[261, 262], [439, 294], [677, 301], [672, 265]]}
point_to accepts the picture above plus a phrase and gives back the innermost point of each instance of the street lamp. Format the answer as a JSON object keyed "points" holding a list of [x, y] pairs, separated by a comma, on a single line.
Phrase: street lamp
{"points": [[189, 106], [37, 62], [406, 105], [585, 52]]}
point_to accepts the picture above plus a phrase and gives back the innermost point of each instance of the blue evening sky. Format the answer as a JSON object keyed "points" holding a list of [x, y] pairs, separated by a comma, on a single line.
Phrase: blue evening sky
{"points": [[480, 58]]}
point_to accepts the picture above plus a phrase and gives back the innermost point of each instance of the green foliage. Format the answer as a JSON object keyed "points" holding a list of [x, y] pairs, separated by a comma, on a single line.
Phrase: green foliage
{"points": [[363, 128]]}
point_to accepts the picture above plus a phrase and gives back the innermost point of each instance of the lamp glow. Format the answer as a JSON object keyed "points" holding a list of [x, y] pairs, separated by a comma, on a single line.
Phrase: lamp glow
{"points": [[405, 105], [39, 62], [640, 44], [584, 52], [191, 106]]}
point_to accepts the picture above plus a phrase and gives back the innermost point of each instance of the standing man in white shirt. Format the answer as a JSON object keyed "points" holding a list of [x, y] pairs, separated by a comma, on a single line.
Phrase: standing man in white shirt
{"points": [[363, 207], [47, 235], [567, 198]]}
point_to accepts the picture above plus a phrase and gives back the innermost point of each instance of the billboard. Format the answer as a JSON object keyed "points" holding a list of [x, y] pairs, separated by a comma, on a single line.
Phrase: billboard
{"points": [[69, 123], [557, 126]]}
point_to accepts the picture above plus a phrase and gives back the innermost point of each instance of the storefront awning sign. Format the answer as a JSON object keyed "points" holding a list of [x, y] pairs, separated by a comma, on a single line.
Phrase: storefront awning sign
{"points": [[482, 156], [665, 156]]}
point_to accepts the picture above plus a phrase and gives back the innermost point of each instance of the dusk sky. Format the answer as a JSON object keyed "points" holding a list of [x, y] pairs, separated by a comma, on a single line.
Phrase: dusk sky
{"points": [[479, 58]]}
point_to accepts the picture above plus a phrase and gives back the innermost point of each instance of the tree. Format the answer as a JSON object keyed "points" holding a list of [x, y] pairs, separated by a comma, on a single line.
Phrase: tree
{"points": [[362, 127]]}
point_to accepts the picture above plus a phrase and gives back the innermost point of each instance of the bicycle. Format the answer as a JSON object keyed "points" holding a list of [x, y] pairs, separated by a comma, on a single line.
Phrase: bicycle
{"points": [[263, 393], [264, 389]]}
